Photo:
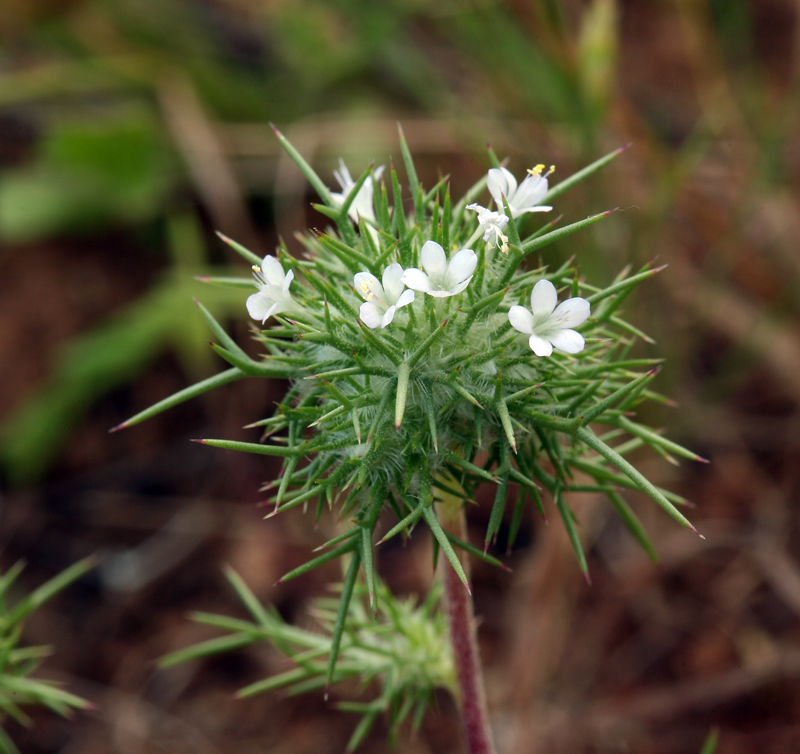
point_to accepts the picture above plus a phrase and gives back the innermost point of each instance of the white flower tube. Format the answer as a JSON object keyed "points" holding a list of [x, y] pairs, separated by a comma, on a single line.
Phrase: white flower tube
{"points": [[549, 325], [441, 278], [493, 224], [381, 302]]}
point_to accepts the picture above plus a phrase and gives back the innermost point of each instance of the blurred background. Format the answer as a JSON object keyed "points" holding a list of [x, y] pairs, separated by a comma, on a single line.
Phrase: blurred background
{"points": [[130, 130]]}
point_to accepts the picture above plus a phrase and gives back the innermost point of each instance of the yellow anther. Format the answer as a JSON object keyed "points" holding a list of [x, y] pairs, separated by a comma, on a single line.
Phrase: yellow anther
{"points": [[551, 171], [256, 268], [536, 169]]}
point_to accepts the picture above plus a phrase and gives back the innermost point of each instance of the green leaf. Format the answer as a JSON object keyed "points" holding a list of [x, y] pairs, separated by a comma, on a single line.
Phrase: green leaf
{"points": [[254, 259], [341, 616], [49, 589], [444, 543], [572, 533], [223, 378], [220, 645], [632, 522], [247, 597], [589, 438], [581, 175], [413, 181], [306, 169]]}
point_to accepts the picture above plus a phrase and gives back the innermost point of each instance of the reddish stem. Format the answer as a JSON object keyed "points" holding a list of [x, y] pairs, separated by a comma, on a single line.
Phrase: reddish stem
{"points": [[463, 637]]}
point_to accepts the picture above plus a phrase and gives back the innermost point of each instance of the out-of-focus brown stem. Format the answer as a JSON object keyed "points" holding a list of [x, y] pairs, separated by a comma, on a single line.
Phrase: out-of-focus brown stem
{"points": [[463, 637]]}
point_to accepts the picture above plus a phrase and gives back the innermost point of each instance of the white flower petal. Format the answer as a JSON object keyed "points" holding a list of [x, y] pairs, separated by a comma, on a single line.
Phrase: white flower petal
{"points": [[370, 315], [537, 208], [500, 183], [543, 297], [530, 192], [368, 287], [568, 341], [540, 346], [417, 280], [273, 272], [287, 281], [460, 267], [362, 205], [434, 261], [438, 293], [521, 319], [571, 313], [393, 283], [342, 175], [259, 306], [406, 297], [389, 316], [460, 287]]}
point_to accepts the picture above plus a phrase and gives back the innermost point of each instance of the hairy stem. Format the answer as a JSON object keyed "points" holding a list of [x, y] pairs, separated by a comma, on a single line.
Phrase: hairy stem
{"points": [[463, 637]]}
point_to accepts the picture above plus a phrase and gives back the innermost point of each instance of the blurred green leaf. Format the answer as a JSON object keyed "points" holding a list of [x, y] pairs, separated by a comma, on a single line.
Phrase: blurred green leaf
{"points": [[89, 174]]}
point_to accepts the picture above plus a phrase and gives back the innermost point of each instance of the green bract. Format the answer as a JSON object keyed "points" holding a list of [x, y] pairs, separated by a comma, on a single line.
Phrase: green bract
{"points": [[447, 396]]}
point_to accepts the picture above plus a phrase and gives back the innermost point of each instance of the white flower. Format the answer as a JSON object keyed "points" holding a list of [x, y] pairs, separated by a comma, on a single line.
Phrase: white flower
{"points": [[523, 198], [493, 224], [382, 301], [362, 205], [273, 295], [549, 325], [441, 278]]}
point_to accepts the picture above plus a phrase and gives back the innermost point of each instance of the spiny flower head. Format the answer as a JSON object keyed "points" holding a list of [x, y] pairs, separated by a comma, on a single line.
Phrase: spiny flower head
{"points": [[395, 399]]}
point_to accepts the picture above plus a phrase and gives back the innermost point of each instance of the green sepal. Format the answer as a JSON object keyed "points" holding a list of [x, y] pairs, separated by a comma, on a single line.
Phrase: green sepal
{"points": [[403, 373]]}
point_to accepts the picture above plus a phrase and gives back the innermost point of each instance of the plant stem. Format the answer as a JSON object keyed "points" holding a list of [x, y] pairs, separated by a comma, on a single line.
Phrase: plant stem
{"points": [[463, 637]]}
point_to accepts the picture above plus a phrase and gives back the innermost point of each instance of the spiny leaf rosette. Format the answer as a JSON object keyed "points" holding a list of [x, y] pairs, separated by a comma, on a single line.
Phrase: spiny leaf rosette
{"points": [[427, 356]]}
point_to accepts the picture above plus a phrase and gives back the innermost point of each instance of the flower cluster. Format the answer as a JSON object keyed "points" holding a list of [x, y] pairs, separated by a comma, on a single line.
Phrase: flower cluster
{"points": [[417, 370], [547, 326]]}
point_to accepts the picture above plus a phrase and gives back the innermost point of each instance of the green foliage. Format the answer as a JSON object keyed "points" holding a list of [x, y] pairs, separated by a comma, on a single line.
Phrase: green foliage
{"points": [[401, 649], [89, 174], [17, 663]]}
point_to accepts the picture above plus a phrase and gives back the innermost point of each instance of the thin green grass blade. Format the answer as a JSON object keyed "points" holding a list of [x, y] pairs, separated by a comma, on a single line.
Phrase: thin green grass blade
{"points": [[223, 378]]}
